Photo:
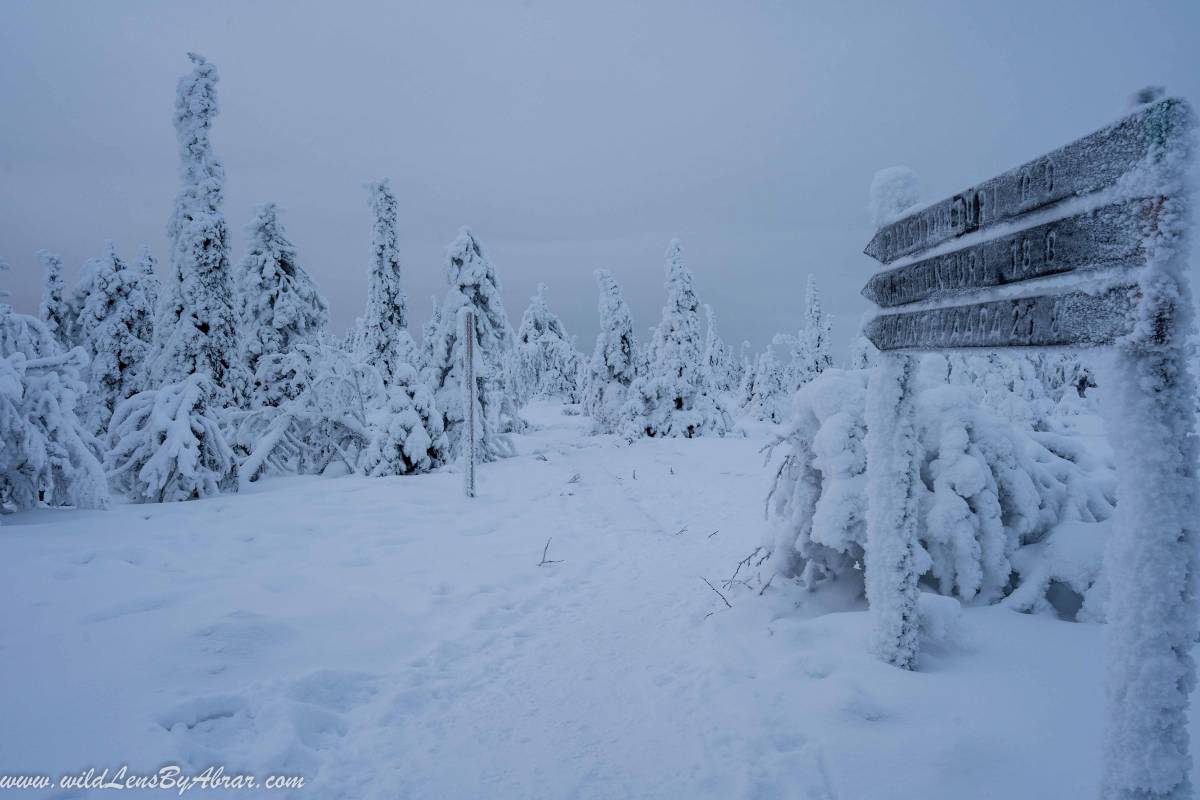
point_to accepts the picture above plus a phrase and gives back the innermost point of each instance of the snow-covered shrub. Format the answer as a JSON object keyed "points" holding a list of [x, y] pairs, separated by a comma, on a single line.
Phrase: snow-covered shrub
{"points": [[165, 445], [44, 448], [988, 485], [613, 365], [406, 431], [278, 304], [544, 360], [672, 398], [320, 413]]}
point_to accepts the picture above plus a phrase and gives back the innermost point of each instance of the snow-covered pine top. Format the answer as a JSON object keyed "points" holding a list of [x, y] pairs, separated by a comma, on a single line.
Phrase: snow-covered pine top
{"points": [[676, 347], [202, 173], [538, 320], [616, 348], [280, 305], [54, 310], [386, 301], [473, 281], [146, 267]]}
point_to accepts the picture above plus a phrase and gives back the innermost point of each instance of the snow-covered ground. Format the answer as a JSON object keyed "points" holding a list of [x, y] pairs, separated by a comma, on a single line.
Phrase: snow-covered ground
{"points": [[388, 638]]}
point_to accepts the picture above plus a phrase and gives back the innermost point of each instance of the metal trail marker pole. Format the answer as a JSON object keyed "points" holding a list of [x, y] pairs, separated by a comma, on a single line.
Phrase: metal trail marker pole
{"points": [[469, 403], [1113, 274]]}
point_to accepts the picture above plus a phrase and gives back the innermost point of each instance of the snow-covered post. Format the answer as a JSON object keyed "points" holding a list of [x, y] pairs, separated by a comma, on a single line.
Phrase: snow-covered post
{"points": [[1152, 559], [893, 467], [469, 402], [893, 462]]}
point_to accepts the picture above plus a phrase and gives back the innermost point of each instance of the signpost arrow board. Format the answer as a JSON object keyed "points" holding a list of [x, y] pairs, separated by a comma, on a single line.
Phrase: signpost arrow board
{"points": [[1086, 165], [1111, 236], [1075, 318]]}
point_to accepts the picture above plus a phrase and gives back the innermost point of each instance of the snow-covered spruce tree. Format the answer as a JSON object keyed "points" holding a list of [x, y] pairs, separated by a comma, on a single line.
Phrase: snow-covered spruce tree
{"points": [[146, 268], [768, 390], [196, 330], [672, 398], [165, 445], [809, 350], [116, 324], [473, 284], [384, 341], [746, 383], [408, 434], [45, 450], [719, 371], [55, 311], [1151, 562], [279, 305], [545, 361], [612, 368], [429, 334]]}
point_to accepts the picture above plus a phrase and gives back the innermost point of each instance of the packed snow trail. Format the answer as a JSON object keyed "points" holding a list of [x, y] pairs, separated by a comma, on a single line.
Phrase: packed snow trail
{"points": [[389, 638]]}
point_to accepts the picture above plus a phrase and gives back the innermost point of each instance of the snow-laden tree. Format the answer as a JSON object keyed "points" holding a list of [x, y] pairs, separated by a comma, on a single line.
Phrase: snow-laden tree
{"points": [[1008, 383], [196, 330], [474, 285], [165, 444], [612, 368], [429, 334], [544, 359], [384, 341], [672, 398], [146, 267], [44, 448], [116, 325], [407, 430], [748, 369], [279, 305], [720, 372], [986, 487], [809, 350], [54, 310], [768, 394]]}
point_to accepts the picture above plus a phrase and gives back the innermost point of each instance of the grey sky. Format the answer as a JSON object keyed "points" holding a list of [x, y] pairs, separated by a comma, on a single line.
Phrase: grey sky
{"points": [[569, 136]]}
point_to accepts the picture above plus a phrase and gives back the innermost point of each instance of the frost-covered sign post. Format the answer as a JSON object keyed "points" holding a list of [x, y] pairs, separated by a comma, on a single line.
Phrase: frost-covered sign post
{"points": [[1085, 246], [470, 403]]}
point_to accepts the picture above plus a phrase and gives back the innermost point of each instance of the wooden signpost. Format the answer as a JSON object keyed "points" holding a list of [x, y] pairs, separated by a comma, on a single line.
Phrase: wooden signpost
{"points": [[1080, 248]]}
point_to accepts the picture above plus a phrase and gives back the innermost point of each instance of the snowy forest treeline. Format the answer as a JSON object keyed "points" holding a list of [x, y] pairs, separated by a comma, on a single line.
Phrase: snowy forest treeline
{"points": [[228, 372]]}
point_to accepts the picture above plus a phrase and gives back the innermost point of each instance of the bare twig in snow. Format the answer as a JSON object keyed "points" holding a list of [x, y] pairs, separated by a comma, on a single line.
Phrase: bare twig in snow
{"points": [[545, 550], [576, 478], [635, 474], [714, 533], [681, 530], [718, 591], [768, 583]]}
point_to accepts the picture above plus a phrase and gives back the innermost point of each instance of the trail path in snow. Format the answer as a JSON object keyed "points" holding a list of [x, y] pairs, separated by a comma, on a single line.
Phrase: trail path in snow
{"points": [[388, 638]]}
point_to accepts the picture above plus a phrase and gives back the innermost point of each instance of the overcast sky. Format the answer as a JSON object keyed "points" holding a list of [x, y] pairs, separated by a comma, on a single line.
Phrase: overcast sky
{"points": [[569, 136]]}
